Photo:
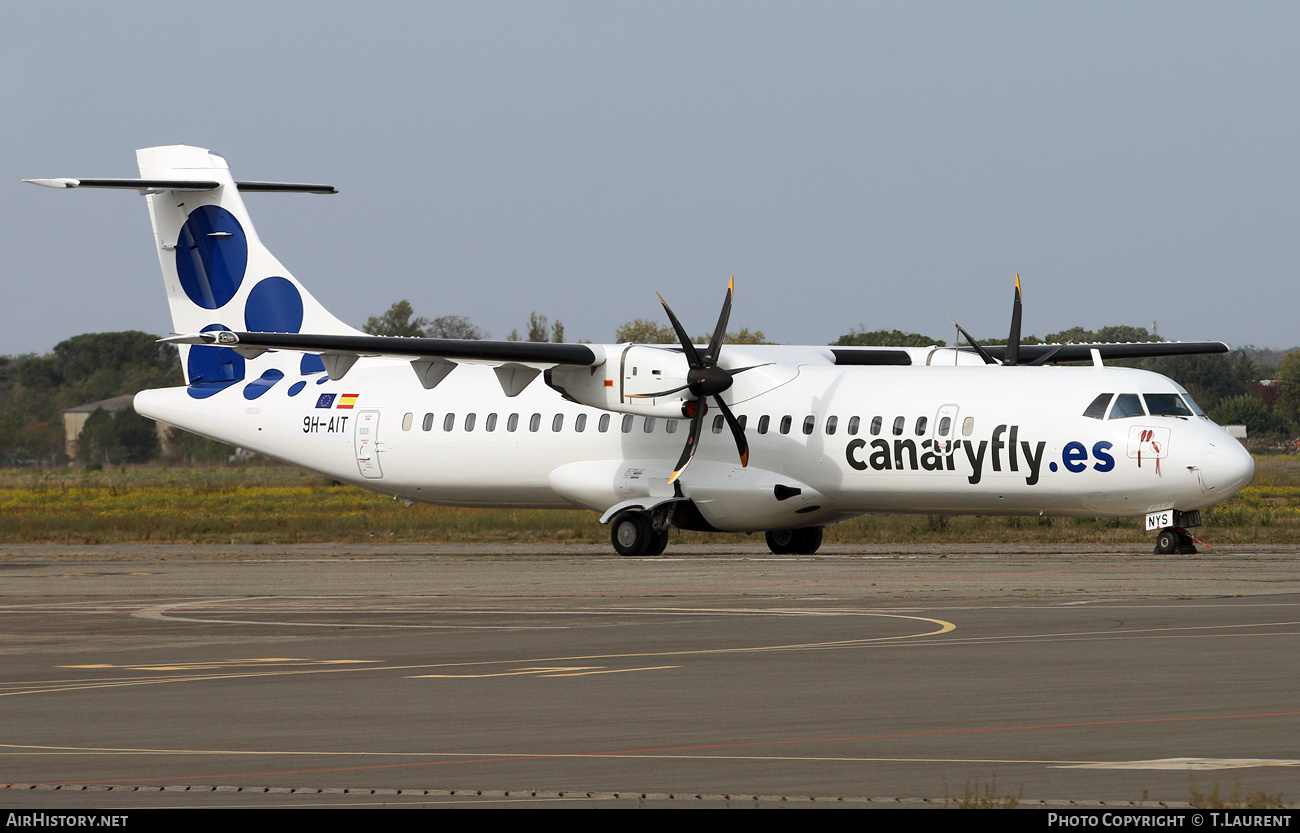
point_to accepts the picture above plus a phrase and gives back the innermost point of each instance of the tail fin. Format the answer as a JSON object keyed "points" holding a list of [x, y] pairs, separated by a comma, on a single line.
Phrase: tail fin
{"points": [[217, 273]]}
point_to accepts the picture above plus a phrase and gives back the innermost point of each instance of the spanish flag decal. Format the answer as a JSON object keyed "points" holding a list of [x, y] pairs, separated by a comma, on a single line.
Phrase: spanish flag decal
{"points": [[347, 401]]}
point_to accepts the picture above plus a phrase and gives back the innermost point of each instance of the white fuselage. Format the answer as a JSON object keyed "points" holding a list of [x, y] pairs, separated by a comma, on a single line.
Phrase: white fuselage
{"points": [[826, 442]]}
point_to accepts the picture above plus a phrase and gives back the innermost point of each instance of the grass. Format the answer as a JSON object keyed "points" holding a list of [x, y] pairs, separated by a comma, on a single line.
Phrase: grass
{"points": [[278, 504], [1236, 800]]}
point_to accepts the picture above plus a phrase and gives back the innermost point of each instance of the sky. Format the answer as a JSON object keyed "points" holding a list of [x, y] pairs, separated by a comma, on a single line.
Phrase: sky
{"points": [[854, 165]]}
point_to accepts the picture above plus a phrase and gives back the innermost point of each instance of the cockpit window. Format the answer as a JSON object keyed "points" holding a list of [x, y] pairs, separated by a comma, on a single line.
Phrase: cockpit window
{"points": [[1191, 403], [1097, 410], [1166, 404], [1127, 405]]}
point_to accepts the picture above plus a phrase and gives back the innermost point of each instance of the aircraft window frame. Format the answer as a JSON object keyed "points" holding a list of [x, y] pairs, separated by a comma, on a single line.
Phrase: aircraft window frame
{"points": [[1126, 410], [427, 425], [832, 422], [580, 423], [469, 422], [809, 424], [627, 424], [786, 422], [1163, 401], [743, 421], [945, 425], [649, 426], [512, 423], [557, 423], [602, 425], [670, 425], [535, 423], [407, 421], [968, 426], [854, 424], [449, 422], [1097, 408], [877, 423], [490, 424], [718, 422], [922, 423], [763, 422], [900, 424]]}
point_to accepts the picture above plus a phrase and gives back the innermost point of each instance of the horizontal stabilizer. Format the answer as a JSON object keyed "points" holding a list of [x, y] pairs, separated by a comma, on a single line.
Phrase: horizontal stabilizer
{"points": [[183, 185]]}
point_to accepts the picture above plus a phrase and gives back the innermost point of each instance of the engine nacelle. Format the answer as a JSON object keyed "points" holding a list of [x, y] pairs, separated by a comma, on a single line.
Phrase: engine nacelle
{"points": [[628, 370]]}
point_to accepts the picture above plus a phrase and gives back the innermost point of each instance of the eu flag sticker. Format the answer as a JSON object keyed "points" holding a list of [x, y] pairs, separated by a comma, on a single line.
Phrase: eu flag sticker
{"points": [[326, 400]]}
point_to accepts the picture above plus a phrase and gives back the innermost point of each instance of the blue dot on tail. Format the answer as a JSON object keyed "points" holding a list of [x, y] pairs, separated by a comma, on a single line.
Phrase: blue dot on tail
{"points": [[211, 256], [274, 306], [262, 384], [212, 369], [296, 388], [311, 363]]}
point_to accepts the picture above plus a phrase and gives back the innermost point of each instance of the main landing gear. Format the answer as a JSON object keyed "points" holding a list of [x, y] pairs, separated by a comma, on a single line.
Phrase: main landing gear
{"points": [[804, 541], [634, 533], [1175, 539]]}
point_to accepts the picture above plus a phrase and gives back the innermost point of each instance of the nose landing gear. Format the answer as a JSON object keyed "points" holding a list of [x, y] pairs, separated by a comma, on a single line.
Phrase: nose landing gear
{"points": [[1175, 539]]}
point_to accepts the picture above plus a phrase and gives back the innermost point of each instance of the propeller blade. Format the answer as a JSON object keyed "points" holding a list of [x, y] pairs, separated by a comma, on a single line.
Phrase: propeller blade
{"points": [[973, 343], [720, 332], [692, 357], [1047, 357], [1012, 355], [736, 431], [692, 441]]}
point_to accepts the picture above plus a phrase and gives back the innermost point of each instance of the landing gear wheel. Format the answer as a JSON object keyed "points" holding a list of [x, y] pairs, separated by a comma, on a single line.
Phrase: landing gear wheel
{"points": [[634, 534], [1166, 541], [795, 541], [631, 533], [781, 541], [812, 541], [658, 543]]}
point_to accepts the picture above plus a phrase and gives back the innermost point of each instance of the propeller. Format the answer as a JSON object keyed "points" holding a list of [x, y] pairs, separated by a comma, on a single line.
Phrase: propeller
{"points": [[705, 378], [1011, 356]]}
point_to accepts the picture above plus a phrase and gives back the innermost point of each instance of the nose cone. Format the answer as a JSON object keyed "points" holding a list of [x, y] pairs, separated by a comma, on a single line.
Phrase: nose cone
{"points": [[1226, 467]]}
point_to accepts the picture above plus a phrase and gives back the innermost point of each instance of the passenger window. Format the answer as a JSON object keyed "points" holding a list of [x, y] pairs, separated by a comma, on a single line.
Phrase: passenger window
{"points": [[535, 422], [449, 422], [876, 422], [1097, 409], [428, 422], [921, 424], [831, 422], [580, 423], [762, 424], [743, 420], [717, 424], [649, 425], [854, 422], [670, 425], [469, 421], [604, 423], [408, 421], [968, 426], [491, 422], [809, 423], [512, 424], [899, 422], [557, 423], [1127, 405], [785, 424], [1165, 404], [945, 425], [627, 423]]}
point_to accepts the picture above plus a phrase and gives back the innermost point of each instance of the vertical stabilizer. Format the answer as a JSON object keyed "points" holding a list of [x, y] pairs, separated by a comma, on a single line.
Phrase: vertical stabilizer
{"points": [[216, 271]]}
